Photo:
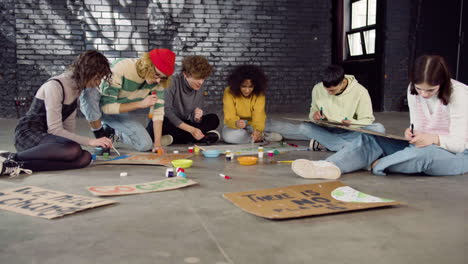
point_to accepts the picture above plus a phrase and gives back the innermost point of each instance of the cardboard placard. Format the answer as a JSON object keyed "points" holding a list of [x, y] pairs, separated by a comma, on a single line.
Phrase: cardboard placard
{"points": [[246, 149], [144, 158], [39, 202], [326, 123], [156, 186], [305, 200]]}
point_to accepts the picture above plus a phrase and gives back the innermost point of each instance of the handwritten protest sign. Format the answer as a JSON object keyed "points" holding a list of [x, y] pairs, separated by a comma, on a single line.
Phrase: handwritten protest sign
{"points": [[352, 127], [305, 200], [144, 158], [39, 202], [156, 186]]}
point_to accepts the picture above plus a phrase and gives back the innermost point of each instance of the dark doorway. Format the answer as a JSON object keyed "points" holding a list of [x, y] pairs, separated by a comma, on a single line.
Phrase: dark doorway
{"points": [[440, 30], [365, 66]]}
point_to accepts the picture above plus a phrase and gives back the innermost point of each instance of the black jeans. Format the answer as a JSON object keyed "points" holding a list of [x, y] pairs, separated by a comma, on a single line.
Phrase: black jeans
{"points": [[208, 122]]}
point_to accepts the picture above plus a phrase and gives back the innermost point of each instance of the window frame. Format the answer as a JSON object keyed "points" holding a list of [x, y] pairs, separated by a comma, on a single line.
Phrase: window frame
{"points": [[361, 31]]}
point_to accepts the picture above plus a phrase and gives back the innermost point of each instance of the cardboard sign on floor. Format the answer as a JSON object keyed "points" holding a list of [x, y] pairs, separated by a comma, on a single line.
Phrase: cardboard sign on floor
{"points": [[39, 202], [305, 200], [246, 149], [143, 158], [156, 186], [352, 127]]}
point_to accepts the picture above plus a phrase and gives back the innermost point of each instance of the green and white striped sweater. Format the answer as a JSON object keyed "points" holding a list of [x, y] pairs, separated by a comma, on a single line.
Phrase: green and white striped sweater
{"points": [[126, 87]]}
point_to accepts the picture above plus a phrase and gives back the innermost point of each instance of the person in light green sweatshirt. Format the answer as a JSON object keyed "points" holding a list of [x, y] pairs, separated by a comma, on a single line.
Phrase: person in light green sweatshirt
{"points": [[338, 98]]}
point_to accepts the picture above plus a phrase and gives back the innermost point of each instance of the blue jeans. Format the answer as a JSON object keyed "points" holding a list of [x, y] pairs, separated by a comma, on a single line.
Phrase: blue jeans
{"points": [[129, 130], [242, 135], [398, 156], [332, 138]]}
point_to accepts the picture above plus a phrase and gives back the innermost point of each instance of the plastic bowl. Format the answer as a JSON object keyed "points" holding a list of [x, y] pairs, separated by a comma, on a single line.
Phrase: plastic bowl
{"points": [[247, 160], [182, 163], [211, 153]]}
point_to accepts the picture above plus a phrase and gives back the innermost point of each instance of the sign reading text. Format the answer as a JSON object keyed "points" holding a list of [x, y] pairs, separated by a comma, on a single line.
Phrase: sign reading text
{"points": [[39, 202], [299, 201], [156, 186]]}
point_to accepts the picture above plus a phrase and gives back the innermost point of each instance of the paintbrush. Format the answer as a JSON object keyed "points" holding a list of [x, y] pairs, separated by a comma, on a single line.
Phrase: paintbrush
{"points": [[116, 151], [282, 161], [204, 149]]}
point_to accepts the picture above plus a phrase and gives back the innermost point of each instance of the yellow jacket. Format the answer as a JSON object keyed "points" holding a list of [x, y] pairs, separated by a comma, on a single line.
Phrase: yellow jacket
{"points": [[250, 108]]}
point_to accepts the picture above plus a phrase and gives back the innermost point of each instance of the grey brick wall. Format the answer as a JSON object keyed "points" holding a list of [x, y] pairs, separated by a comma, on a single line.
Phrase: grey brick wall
{"points": [[290, 39], [397, 54], [8, 67]]}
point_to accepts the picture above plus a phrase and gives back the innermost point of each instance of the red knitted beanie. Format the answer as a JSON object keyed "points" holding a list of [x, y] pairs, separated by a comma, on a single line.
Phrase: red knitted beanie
{"points": [[163, 59]]}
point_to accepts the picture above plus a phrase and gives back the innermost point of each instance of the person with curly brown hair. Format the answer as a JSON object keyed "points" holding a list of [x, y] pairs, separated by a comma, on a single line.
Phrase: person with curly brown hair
{"points": [[184, 119], [45, 137], [244, 107], [136, 83]]}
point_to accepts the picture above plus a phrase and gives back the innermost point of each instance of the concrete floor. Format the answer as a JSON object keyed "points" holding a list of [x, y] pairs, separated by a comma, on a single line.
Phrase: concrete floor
{"points": [[197, 225]]}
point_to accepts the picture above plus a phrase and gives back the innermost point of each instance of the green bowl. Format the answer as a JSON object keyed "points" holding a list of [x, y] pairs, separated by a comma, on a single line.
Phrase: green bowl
{"points": [[182, 163]]}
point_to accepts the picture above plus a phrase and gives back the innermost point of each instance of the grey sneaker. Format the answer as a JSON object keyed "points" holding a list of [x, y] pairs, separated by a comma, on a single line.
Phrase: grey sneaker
{"points": [[11, 167], [166, 140], [272, 137], [319, 169]]}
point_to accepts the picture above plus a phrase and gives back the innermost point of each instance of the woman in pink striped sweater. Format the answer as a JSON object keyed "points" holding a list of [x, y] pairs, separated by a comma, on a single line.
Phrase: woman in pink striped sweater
{"points": [[437, 140]]}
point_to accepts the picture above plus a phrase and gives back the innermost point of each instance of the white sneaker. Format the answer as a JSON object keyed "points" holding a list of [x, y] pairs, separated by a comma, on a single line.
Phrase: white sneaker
{"points": [[272, 136], [319, 169], [166, 140], [11, 167]]}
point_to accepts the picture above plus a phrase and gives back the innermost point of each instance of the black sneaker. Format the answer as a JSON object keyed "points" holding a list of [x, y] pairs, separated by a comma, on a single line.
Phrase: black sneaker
{"points": [[6, 154], [99, 133], [316, 146], [110, 133], [11, 167], [211, 137]]}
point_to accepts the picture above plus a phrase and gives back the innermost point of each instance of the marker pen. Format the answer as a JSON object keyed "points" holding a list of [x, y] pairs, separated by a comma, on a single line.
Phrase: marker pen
{"points": [[224, 176]]}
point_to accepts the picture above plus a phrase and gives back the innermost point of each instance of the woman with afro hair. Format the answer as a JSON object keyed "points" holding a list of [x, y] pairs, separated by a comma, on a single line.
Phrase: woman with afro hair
{"points": [[244, 107]]}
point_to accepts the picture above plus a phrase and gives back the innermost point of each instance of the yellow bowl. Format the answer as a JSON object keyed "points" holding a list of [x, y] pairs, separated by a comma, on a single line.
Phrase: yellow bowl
{"points": [[182, 163], [247, 160]]}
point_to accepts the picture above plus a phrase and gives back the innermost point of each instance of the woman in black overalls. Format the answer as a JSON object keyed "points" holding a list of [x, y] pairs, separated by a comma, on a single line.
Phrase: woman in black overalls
{"points": [[45, 137]]}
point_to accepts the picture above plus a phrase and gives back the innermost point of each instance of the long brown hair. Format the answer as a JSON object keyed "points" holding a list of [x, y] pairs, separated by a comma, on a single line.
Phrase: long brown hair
{"points": [[433, 70], [88, 65]]}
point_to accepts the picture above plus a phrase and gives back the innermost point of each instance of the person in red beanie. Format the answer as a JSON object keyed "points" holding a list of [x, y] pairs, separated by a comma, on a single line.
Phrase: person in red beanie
{"points": [[136, 83]]}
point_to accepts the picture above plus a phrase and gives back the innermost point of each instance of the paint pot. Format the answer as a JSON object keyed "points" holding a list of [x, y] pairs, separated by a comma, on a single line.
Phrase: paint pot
{"points": [[260, 152], [270, 153], [179, 170], [190, 149], [98, 151], [93, 156], [225, 176], [196, 149], [105, 155], [181, 174], [169, 172], [228, 155]]}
